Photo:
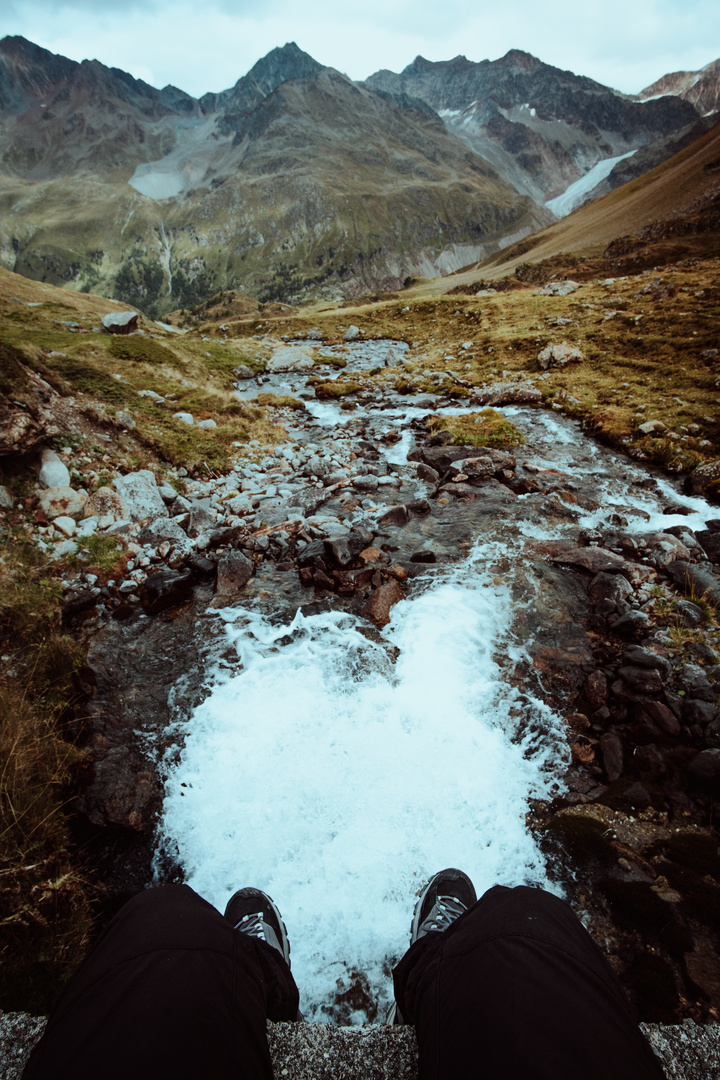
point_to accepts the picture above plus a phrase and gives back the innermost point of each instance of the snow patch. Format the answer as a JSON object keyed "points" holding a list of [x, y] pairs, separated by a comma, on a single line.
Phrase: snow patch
{"points": [[576, 194]]}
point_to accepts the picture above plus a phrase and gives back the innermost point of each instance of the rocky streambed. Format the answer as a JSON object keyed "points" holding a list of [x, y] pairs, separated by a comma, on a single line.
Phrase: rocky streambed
{"points": [[375, 652]]}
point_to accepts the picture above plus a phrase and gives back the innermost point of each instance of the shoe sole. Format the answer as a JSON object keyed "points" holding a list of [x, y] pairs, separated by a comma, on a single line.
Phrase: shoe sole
{"points": [[283, 935]]}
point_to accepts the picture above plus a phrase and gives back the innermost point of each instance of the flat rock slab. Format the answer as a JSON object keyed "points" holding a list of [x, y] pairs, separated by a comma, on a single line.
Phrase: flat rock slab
{"points": [[593, 559], [303, 1051]]}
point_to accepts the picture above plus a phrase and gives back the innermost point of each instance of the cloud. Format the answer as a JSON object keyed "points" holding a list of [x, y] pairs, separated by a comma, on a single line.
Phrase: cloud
{"points": [[209, 48]]}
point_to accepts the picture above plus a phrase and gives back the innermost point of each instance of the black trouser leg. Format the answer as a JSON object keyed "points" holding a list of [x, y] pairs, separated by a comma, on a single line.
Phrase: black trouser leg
{"points": [[169, 990], [516, 988]]}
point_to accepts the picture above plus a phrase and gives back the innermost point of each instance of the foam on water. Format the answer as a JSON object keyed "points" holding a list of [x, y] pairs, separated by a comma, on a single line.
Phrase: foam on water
{"points": [[338, 780]]}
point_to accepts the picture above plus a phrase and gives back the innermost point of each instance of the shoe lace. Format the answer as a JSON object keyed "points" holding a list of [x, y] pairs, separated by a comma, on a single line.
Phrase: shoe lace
{"points": [[252, 924], [445, 911]]}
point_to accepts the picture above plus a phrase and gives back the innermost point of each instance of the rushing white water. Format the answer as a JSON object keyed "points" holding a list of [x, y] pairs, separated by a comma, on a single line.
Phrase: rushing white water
{"points": [[338, 778]]}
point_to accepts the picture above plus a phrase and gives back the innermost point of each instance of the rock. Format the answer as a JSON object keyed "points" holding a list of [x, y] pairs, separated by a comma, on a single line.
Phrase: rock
{"points": [[664, 548], [632, 624], [6, 502], [664, 718], [396, 515], [507, 394], [53, 471], [125, 419], [65, 549], [308, 500], [139, 496], [442, 458], [184, 418], [380, 601], [120, 322], [201, 518], [611, 750], [595, 560], [477, 468], [596, 689], [419, 507], [710, 543], [652, 427], [210, 423], [701, 477], [243, 372], [426, 473], [155, 532], [104, 503], [352, 333], [365, 482], [641, 680], [164, 590], [699, 712], [66, 525], [559, 356], [706, 765], [233, 573], [123, 790], [61, 501], [559, 288], [696, 682], [689, 577], [642, 657], [291, 358], [425, 556]]}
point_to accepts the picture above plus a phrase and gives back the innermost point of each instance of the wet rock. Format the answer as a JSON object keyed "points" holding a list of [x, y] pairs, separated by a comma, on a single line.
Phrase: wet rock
{"points": [[610, 588], [559, 356], [696, 682], [381, 601], [476, 468], [689, 577], [427, 556], [53, 472], [611, 751], [441, 458], [165, 589], [633, 624], [120, 322], [664, 548], [234, 570], [139, 496], [123, 791], [701, 477], [706, 765], [428, 474], [366, 482], [419, 507], [697, 711], [595, 560], [396, 515], [61, 501]]}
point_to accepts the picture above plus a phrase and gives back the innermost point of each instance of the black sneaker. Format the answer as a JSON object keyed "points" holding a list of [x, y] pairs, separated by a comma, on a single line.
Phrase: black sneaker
{"points": [[446, 897], [253, 912]]}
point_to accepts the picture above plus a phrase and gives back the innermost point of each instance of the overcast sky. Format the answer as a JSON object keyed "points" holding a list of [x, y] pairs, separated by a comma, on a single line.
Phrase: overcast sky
{"points": [[208, 45]]}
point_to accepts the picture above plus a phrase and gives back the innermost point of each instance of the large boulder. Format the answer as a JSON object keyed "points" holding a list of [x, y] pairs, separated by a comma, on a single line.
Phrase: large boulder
{"points": [[290, 358], [233, 573], [62, 502], [120, 322], [559, 356], [53, 471], [139, 496], [442, 457], [104, 503], [703, 476], [381, 601], [508, 394]]}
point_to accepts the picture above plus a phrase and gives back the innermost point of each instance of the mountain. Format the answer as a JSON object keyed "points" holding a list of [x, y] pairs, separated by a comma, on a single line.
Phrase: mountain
{"points": [[700, 88], [543, 129], [667, 215], [294, 181]]}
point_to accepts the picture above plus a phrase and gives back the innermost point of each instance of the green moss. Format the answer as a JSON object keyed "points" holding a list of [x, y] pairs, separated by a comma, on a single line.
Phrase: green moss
{"points": [[485, 428], [89, 379], [279, 401], [104, 554], [142, 349], [334, 361], [336, 389]]}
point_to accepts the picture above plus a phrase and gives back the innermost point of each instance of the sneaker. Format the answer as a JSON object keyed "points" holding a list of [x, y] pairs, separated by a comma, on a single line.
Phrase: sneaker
{"points": [[253, 912], [446, 897]]}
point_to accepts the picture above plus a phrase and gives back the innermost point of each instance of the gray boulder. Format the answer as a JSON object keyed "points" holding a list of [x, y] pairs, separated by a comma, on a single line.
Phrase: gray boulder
{"points": [[139, 496], [120, 322], [53, 471]]}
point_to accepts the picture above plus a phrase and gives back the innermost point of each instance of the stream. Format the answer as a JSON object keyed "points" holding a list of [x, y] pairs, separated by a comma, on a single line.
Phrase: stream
{"points": [[338, 768]]}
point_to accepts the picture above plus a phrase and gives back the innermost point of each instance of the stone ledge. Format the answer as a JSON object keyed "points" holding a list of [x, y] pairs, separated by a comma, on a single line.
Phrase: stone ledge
{"points": [[688, 1051]]}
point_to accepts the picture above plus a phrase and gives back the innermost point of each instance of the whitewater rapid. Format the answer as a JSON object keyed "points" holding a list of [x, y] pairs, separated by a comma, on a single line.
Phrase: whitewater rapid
{"points": [[337, 773]]}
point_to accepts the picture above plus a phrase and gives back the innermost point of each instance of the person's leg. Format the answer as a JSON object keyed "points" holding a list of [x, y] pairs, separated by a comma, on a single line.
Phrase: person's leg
{"points": [[516, 988], [171, 989]]}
